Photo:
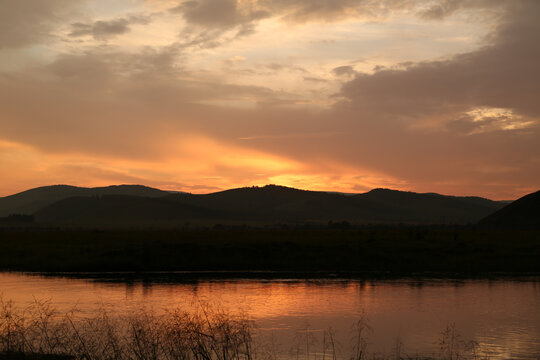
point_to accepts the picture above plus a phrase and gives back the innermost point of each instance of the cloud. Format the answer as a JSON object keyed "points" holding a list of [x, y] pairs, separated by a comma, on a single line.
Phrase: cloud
{"points": [[105, 29], [480, 120], [227, 14], [443, 8], [422, 111], [27, 22], [345, 70], [411, 122], [231, 13], [503, 74], [234, 60], [208, 20], [218, 13], [87, 102], [314, 79], [413, 125]]}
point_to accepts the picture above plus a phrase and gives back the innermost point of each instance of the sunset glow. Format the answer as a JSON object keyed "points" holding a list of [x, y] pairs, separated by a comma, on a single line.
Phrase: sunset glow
{"points": [[204, 95]]}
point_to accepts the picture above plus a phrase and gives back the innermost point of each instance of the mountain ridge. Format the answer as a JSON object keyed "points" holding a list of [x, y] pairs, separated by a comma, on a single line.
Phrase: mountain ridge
{"points": [[268, 204]]}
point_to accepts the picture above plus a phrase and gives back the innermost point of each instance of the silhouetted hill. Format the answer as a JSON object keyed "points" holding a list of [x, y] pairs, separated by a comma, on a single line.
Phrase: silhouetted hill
{"points": [[268, 204], [30, 201], [524, 213], [278, 203], [430, 207], [119, 209], [272, 203]]}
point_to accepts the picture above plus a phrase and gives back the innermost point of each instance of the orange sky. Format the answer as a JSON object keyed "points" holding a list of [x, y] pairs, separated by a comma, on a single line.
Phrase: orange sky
{"points": [[346, 95]]}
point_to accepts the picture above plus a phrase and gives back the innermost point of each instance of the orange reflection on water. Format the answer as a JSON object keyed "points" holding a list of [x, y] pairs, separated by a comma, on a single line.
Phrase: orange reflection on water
{"points": [[503, 316]]}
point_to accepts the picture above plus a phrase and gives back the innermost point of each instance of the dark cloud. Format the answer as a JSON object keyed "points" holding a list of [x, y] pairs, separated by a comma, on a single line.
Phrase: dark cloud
{"points": [[443, 8], [465, 126], [315, 79], [503, 74], [468, 126], [419, 112], [232, 13], [217, 13], [26, 22], [104, 29], [411, 121], [226, 14], [345, 70], [408, 123], [245, 30], [205, 39], [316, 10], [208, 19]]}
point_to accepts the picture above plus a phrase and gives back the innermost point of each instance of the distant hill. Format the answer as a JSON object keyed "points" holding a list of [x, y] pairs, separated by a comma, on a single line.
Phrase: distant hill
{"points": [[278, 203], [30, 201], [268, 204], [430, 207], [271, 203], [119, 210], [523, 213]]}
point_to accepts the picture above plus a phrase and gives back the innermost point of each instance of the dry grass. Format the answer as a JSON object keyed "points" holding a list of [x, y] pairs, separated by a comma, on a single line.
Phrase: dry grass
{"points": [[208, 334], [39, 332]]}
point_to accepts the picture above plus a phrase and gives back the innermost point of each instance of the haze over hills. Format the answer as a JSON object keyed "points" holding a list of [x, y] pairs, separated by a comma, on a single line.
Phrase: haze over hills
{"points": [[136, 204]]}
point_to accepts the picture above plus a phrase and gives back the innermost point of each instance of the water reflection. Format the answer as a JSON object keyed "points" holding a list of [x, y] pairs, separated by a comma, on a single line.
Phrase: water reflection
{"points": [[502, 315]]}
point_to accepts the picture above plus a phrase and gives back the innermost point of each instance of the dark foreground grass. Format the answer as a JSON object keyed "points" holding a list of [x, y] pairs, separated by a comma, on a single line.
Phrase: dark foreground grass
{"points": [[393, 250], [38, 332], [25, 356]]}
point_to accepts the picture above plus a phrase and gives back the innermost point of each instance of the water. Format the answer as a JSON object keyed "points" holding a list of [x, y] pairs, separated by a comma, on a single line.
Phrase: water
{"points": [[501, 315]]}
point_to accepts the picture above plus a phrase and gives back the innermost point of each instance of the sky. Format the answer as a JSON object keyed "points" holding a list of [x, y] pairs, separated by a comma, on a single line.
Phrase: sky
{"points": [[334, 95]]}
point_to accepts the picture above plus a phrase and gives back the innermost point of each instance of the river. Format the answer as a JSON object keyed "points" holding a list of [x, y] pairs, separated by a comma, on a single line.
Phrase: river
{"points": [[501, 315]]}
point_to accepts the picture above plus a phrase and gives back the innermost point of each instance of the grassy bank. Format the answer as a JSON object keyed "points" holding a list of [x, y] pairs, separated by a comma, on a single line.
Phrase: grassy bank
{"points": [[395, 250]]}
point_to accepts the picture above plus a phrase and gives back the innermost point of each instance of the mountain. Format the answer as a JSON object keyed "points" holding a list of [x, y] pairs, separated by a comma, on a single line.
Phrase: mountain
{"points": [[524, 213], [268, 204], [30, 201]]}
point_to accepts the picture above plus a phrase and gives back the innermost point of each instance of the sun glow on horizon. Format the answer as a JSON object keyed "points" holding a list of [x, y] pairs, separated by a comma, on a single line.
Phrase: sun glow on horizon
{"points": [[203, 96]]}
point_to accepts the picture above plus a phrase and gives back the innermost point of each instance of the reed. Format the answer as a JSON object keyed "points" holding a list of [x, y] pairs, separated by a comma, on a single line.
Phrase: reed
{"points": [[39, 332], [207, 334]]}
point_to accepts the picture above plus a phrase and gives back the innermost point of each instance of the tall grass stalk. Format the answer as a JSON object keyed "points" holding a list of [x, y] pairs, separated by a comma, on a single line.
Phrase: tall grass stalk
{"points": [[39, 332], [207, 334]]}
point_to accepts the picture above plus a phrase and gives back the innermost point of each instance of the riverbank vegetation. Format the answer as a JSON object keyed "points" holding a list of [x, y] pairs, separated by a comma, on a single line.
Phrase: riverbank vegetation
{"points": [[39, 332], [390, 250]]}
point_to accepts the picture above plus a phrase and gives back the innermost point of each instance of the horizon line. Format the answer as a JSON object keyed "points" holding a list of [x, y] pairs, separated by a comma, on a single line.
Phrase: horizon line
{"points": [[253, 186]]}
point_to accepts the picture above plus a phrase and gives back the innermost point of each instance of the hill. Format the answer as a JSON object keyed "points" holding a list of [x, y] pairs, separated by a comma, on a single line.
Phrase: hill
{"points": [[271, 204], [278, 203], [274, 203], [404, 206], [524, 213], [110, 210], [30, 201]]}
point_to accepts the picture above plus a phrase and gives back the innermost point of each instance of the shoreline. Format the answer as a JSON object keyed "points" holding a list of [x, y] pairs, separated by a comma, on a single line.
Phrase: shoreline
{"points": [[277, 276], [354, 253]]}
